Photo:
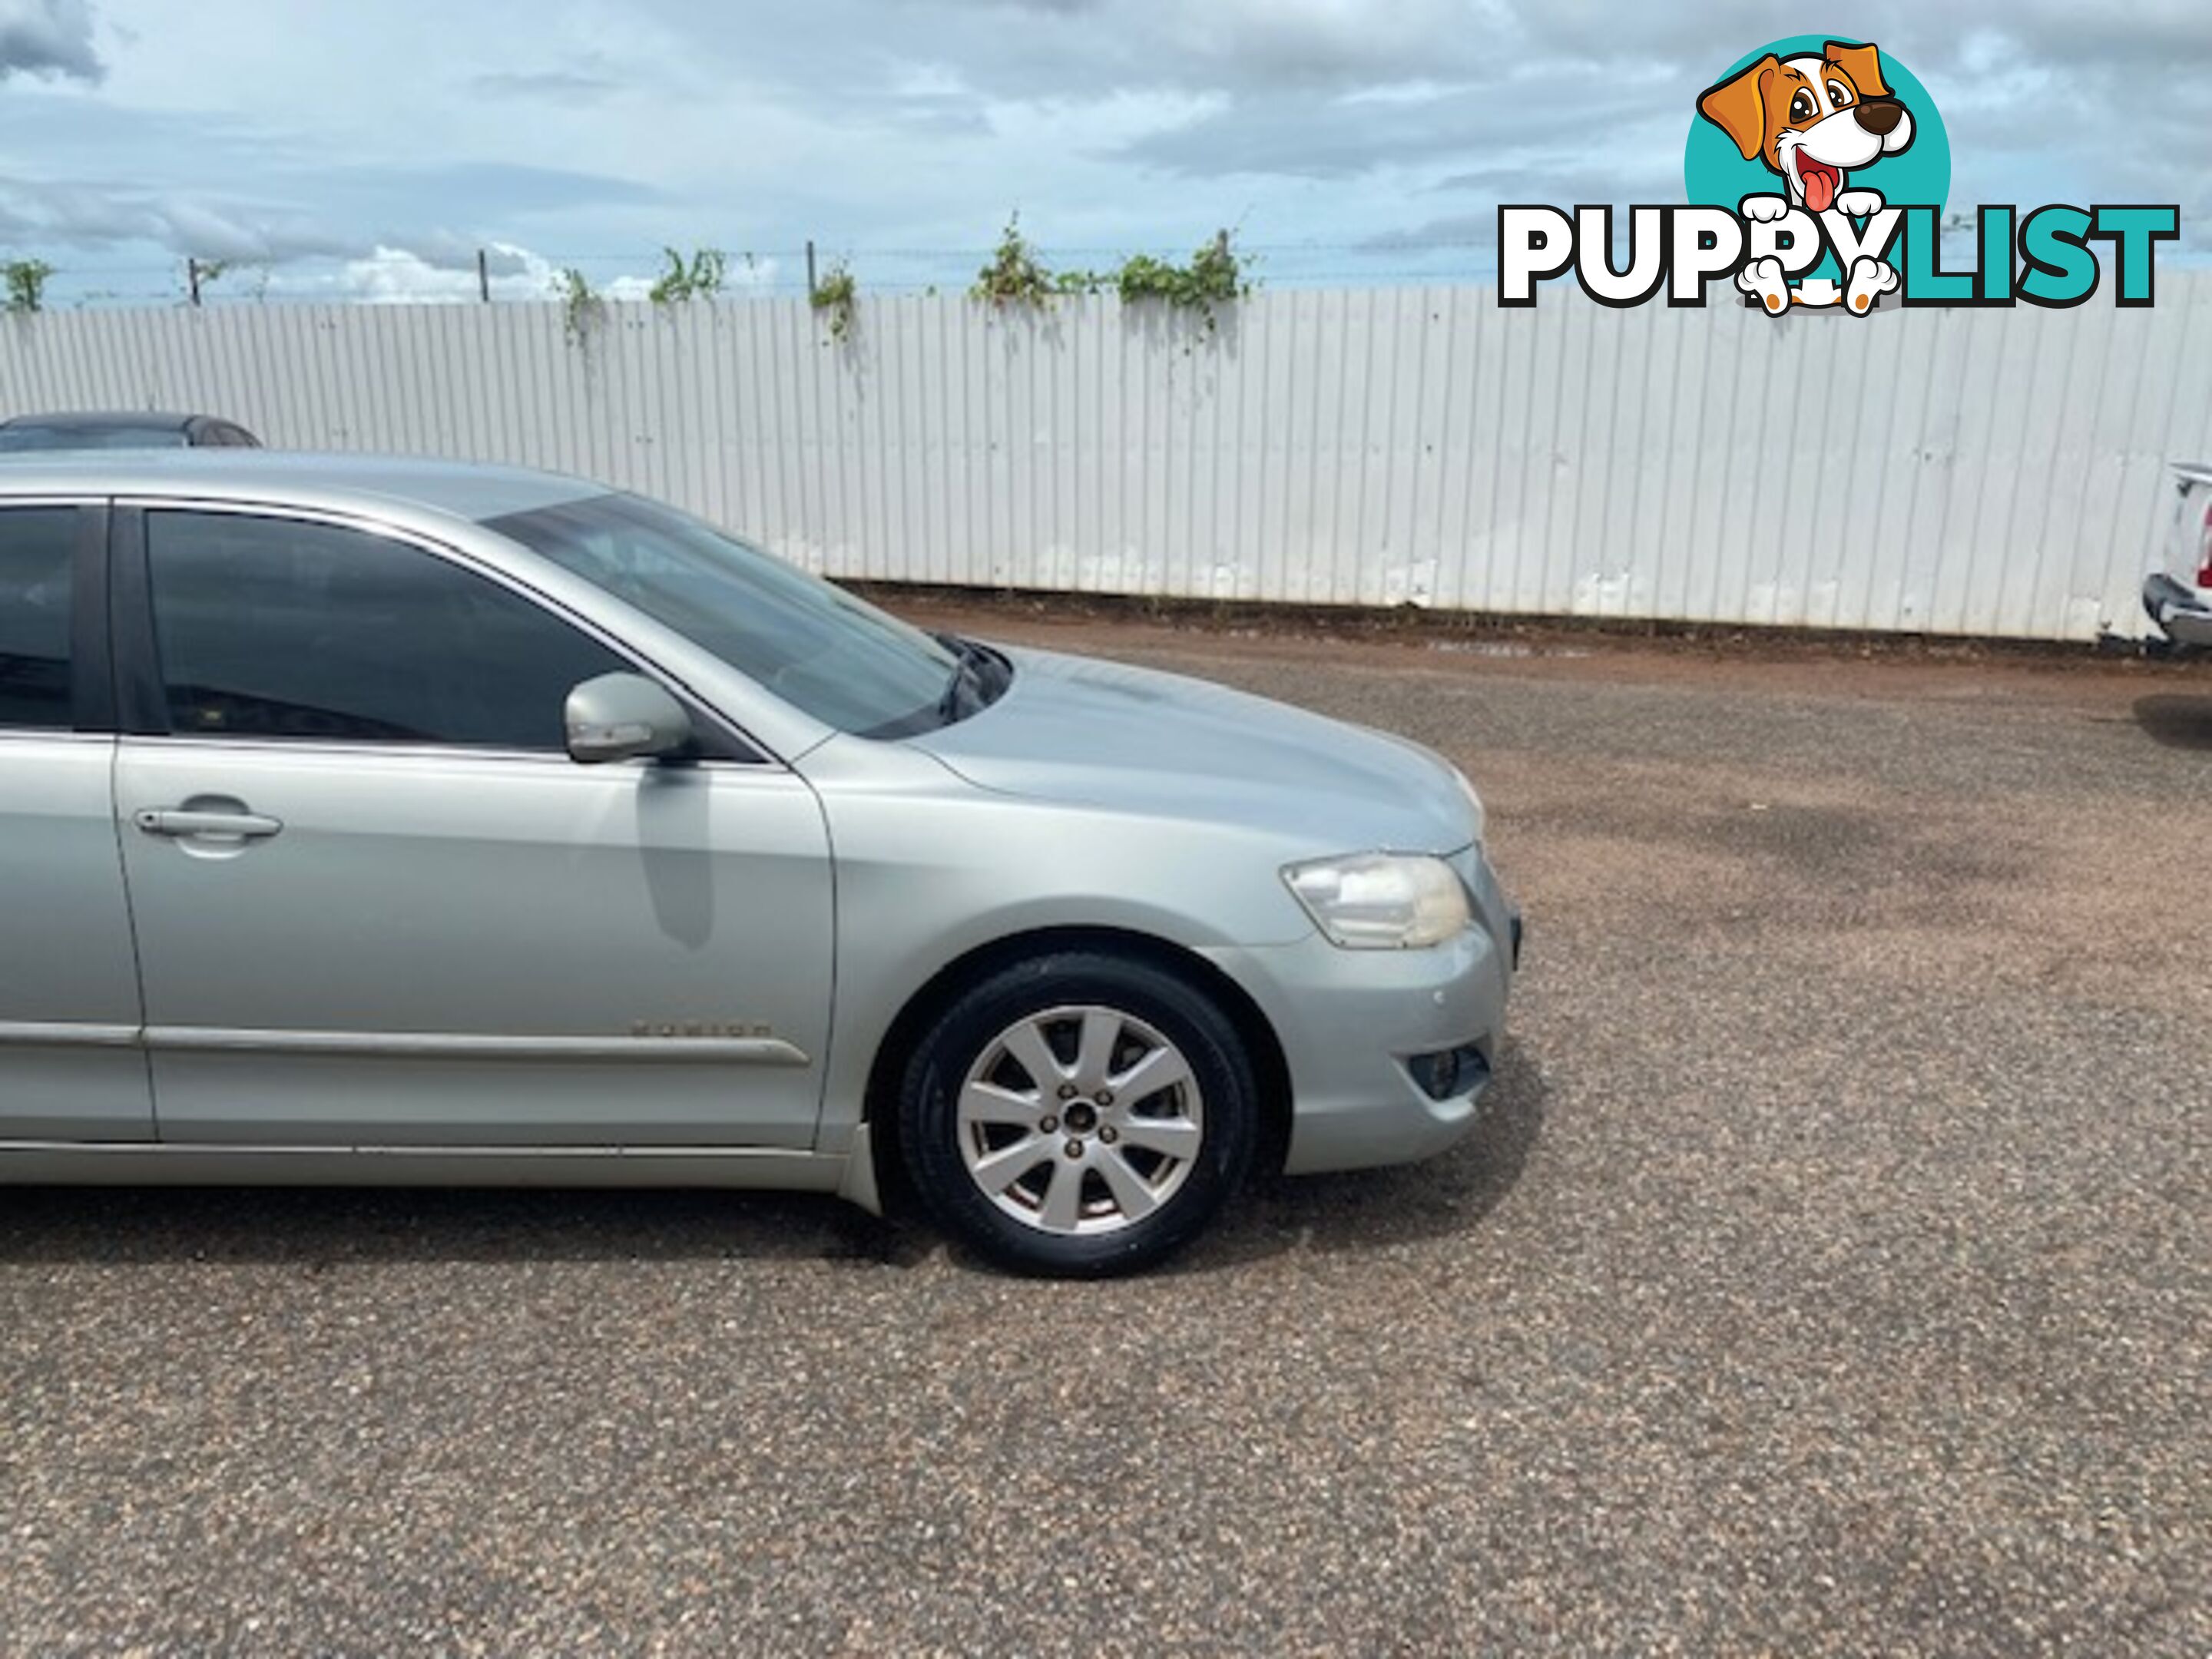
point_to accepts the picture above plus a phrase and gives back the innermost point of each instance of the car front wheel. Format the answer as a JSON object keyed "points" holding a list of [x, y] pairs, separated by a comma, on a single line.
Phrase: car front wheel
{"points": [[1078, 1113]]}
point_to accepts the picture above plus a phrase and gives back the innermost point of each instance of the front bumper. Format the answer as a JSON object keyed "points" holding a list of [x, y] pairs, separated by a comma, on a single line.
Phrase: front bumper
{"points": [[1353, 1024], [2183, 612]]}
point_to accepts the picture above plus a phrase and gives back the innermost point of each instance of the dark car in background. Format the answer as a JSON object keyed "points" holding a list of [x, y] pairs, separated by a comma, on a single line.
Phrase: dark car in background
{"points": [[122, 429]]}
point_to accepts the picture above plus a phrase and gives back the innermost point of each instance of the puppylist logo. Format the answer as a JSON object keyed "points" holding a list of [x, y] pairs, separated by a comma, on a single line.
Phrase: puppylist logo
{"points": [[1816, 170]]}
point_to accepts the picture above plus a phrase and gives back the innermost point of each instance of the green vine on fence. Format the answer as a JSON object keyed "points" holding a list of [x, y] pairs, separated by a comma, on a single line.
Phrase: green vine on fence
{"points": [[26, 284], [581, 305], [1216, 275], [1015, 276], [832, 296], [701, 278]]}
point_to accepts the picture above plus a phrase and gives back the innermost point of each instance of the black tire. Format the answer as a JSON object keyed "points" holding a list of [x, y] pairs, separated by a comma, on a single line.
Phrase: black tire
{"points": [[1013, 1230]]}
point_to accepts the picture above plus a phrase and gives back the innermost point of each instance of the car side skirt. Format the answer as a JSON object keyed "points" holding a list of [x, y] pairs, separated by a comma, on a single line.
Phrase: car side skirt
{"points": [[30, 1163]]}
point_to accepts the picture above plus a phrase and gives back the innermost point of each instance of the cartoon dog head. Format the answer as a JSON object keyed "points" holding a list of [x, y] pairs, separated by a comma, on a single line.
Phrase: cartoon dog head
{"points": [[1811, 119]]}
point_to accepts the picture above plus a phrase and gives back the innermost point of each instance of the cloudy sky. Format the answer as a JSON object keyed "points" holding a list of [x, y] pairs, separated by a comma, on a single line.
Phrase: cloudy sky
{"points": [[368, 149]]}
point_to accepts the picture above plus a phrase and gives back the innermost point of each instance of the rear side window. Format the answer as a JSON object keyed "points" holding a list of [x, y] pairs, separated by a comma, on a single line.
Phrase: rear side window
{"points": [[36, 545], [272, 627]]}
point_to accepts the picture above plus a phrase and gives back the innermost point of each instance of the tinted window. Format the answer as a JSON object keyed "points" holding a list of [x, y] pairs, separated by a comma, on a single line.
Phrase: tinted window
{"points": [[36, 544], [269, 627]]}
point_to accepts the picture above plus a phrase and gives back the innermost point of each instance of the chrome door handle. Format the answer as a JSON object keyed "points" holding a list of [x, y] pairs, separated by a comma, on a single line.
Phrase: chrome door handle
{"points": [[190, 821]]}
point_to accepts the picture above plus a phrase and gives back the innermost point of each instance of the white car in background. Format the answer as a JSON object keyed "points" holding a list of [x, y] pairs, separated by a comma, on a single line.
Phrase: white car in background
{"points": [[2178, 595]]}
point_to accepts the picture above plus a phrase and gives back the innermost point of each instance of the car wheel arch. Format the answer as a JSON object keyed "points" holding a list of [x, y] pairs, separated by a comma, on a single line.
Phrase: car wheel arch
{"points": [[1263, 1048]]}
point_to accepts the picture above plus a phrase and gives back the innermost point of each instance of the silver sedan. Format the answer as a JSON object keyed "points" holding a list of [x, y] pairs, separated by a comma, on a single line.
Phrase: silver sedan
{"points": [[368, 820]]}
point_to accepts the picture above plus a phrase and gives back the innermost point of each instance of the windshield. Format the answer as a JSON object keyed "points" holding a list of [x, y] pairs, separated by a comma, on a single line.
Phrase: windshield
{"points": [[817, 647], [22, 438]]}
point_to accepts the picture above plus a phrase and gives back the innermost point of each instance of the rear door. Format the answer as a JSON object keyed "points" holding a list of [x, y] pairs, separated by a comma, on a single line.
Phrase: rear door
{"points": [[377, 904], [70, 1067]]}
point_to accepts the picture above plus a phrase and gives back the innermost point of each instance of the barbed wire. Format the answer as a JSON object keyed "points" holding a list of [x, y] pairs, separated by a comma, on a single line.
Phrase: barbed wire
{"points": [[1358, 259], [114, 300], [1442, 258], [649, 258], [397, 274]]}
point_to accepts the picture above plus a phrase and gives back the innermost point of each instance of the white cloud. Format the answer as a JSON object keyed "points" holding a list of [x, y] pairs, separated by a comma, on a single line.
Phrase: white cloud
{"points": [[441, 271], [396, 275], [391, 275], [82, 212]]}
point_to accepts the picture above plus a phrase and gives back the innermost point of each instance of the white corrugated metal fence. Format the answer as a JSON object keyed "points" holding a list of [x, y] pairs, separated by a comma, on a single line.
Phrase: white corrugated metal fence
{"points": [[1997, 472]]}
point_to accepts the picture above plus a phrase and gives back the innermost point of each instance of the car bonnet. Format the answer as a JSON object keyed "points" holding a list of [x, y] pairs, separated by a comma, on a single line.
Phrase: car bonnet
{"points": [[1120, 739]]}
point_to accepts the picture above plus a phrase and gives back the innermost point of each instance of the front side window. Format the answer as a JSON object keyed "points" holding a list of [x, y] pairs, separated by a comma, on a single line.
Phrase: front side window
{"points": [[820, 649], [36, 548], [273, 627]]}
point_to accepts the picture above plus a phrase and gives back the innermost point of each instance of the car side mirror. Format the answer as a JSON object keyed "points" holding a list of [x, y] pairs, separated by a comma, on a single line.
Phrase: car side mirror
{"points": [[622, 717]]}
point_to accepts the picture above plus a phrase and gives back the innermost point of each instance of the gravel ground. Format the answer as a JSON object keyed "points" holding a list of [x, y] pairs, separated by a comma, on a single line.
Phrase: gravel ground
{"points": [[1831, 1275]]}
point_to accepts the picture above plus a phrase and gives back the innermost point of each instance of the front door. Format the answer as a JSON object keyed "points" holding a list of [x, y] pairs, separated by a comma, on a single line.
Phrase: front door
{"points": [[378, 905], [70, 1069]]}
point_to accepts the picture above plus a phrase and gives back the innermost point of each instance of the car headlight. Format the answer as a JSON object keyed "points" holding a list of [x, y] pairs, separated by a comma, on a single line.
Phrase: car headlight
{"points": [[1382, 901]]}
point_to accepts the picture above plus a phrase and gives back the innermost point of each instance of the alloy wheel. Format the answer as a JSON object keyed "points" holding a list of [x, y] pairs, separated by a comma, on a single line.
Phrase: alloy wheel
{"points": [[1080, 1120]]}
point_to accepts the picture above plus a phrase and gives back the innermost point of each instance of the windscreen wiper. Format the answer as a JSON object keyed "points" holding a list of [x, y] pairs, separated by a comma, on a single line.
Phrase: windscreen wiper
{"points": [[967, 678], [983, 672]]}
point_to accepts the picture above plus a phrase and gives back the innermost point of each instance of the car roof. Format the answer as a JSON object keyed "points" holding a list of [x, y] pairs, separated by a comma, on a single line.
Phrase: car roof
{"points": [[288, 478], [97, 420]]}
